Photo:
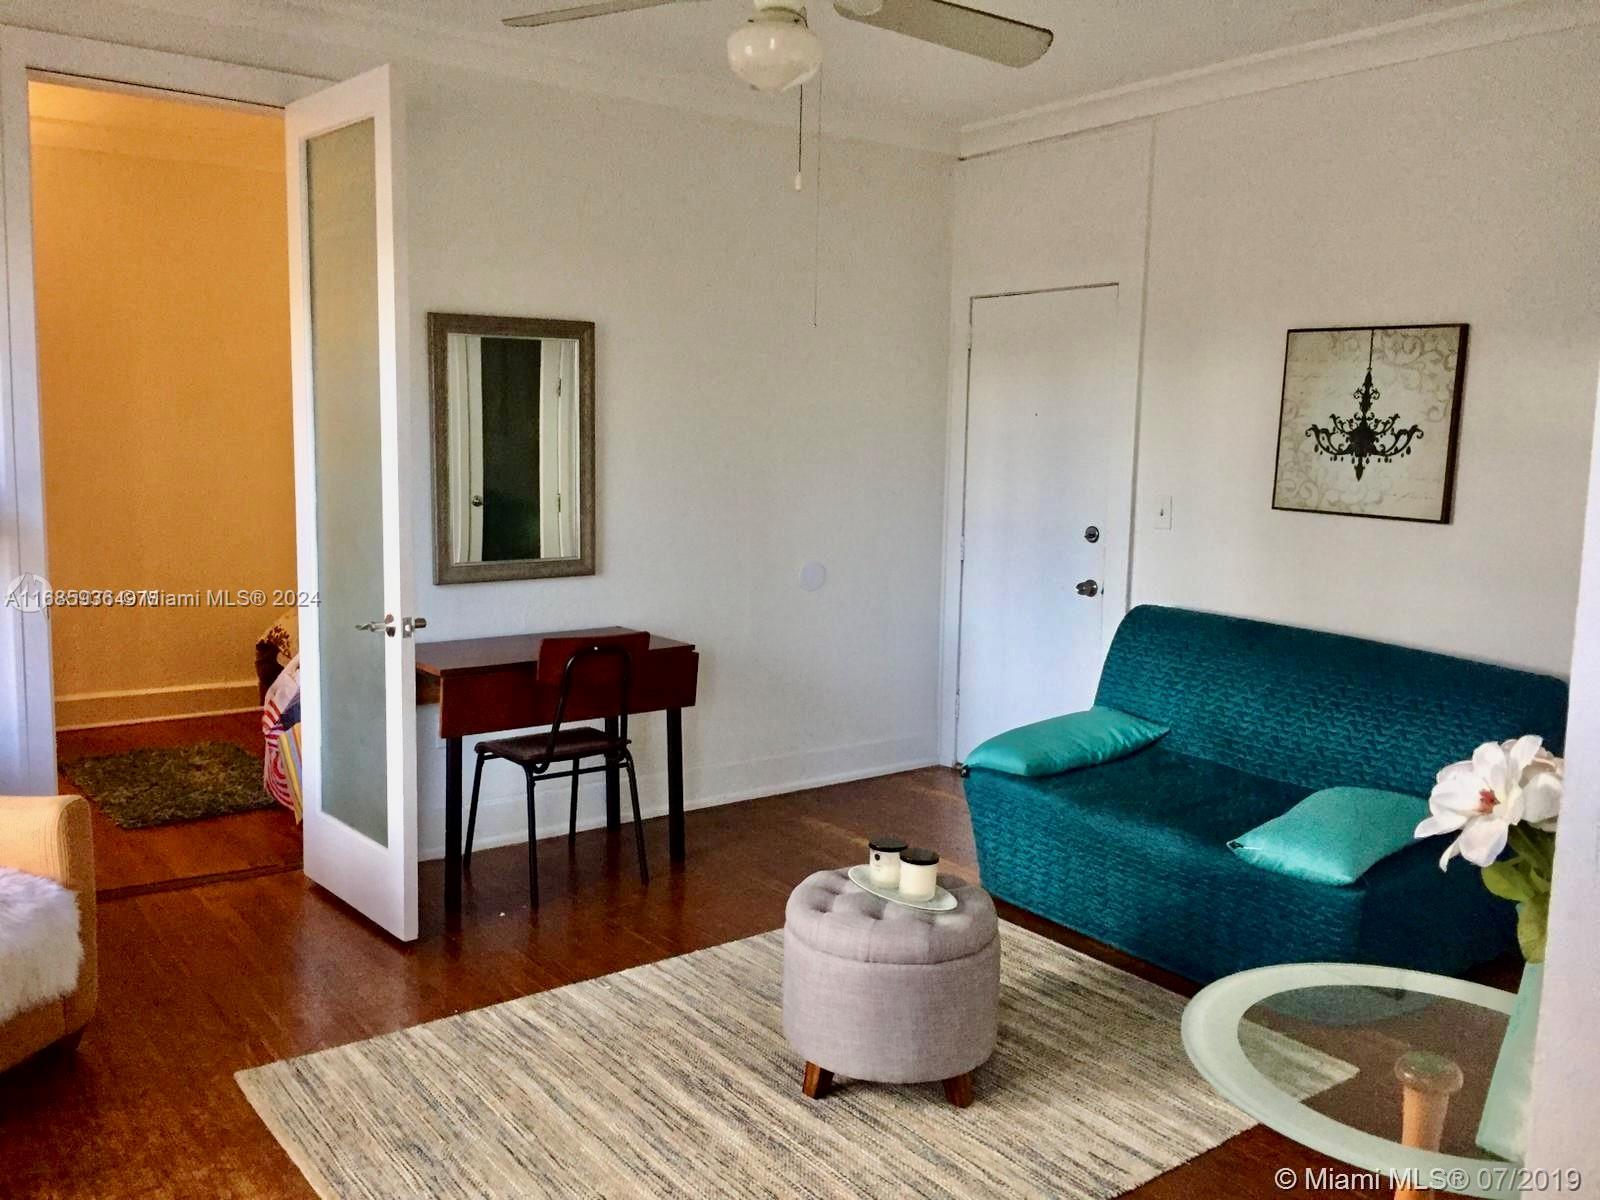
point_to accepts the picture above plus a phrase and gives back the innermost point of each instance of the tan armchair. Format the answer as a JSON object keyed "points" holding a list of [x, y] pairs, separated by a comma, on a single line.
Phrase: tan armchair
{"points": [[49, 836]]}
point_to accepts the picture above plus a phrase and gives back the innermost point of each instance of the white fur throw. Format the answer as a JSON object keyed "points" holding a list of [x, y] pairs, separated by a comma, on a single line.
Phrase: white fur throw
{"points": [[39, 947]]}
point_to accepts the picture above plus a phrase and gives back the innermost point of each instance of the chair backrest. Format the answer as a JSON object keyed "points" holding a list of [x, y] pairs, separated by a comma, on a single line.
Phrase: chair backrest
{"points": [[595, 676], [1318, 709]]}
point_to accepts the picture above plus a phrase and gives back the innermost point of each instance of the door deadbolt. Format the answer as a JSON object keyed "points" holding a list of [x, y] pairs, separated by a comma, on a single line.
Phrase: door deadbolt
{"points": [[1092, 534], [1088, 588]]}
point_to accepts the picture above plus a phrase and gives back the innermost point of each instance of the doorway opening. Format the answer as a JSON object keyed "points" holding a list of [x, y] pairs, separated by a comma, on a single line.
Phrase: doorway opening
{"points": [[162, 299]]}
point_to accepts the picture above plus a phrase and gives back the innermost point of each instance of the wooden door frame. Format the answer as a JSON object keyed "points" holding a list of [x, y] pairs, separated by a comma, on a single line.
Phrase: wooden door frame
{"points": [[27, 693], [1117, 527]]}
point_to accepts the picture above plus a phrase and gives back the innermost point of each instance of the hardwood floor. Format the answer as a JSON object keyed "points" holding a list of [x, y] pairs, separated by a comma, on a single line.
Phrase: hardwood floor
{"points": [[202, 981], [257, 842]]}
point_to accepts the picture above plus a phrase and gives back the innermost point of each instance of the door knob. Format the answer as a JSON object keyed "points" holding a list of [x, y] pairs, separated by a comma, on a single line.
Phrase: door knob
{"points": [[1092, 534], [477, 502], [1088, 588]]}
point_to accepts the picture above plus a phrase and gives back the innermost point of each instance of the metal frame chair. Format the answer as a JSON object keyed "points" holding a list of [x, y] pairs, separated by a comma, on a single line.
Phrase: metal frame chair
{"points": [[535, 753]]}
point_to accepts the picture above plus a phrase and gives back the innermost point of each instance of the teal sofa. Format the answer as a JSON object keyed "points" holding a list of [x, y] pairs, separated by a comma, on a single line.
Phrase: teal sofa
{"points": [[1134, 852]]}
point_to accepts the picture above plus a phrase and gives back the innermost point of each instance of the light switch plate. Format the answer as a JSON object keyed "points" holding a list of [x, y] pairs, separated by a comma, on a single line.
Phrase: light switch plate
{"points": [[1163, 512]]}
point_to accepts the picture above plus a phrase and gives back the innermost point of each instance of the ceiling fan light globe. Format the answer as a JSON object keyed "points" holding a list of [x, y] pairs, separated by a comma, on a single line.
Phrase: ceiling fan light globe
{"points": [[774, 52], [859, 8]]}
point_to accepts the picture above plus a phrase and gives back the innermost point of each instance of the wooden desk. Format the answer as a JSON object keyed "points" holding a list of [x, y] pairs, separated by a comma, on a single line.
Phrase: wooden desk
{"points": [[486, 685]]}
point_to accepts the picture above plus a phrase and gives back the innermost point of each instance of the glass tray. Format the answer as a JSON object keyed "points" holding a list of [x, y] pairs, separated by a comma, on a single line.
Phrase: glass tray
{"points": [[942, 900]]}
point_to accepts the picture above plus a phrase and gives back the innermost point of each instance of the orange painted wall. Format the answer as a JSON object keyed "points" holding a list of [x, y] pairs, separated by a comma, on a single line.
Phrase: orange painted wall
{"points": [[162, 276]]}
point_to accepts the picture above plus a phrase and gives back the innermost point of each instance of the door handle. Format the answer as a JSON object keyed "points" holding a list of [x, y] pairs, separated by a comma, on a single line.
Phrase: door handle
{"points": [[477, 502], [1088, 588], [408, 625]]}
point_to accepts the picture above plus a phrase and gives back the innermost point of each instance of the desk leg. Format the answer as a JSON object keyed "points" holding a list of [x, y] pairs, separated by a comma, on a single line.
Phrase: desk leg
{"points": [[675, 783], [452, 826], [613, 783]]}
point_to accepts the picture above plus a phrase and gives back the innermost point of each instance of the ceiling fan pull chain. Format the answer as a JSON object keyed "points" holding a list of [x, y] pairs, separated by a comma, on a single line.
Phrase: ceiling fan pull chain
{"points": [[816, 249], [800, 144]]}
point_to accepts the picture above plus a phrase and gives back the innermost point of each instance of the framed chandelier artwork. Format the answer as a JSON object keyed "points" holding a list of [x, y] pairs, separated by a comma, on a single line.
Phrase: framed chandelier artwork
{"points": [[1369, 421]]}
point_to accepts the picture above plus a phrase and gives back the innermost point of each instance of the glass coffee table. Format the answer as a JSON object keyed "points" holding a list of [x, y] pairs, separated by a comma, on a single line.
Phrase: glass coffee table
{"points": [[1421, 1049]]}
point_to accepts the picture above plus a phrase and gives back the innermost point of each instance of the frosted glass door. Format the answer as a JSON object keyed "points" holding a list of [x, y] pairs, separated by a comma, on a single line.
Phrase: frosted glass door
{"points": [[358, 693], [341, 219]]}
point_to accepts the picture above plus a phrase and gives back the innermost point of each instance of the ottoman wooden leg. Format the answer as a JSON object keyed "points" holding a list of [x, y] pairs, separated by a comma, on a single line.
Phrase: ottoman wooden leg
{"points": [[817, 1081], [958, 1089]]}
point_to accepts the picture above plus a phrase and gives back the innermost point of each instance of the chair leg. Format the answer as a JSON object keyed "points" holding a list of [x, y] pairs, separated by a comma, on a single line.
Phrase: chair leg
{"points": [[472, 816], [638, 821], [572, 823], [533, 849]]}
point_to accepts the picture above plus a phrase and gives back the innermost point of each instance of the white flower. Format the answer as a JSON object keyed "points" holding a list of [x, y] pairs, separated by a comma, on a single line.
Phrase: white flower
{"points": [[1505, 783]]}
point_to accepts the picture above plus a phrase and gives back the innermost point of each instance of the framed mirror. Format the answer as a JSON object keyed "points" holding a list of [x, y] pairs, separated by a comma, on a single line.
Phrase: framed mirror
{"points": [[513, 447]]}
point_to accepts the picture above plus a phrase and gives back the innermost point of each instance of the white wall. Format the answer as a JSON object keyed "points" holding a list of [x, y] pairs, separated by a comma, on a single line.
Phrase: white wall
{"points": [[1566, 1077], [736, 441], [1457, 188], [1064, 215]]}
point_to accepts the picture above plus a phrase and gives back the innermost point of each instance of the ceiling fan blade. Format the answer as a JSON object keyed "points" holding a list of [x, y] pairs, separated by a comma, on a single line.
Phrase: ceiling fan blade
{"points": [[999, 39], [603, 8]]}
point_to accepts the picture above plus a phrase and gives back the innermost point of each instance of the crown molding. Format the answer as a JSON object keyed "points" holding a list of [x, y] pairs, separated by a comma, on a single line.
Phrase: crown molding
{"points": [[149, 144], [388, 36], [1482, 24], [367, 38]]}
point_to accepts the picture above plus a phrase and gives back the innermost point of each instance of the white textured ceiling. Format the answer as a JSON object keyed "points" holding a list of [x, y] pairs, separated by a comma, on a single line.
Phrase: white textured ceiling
{"points": [[1100, 44]]}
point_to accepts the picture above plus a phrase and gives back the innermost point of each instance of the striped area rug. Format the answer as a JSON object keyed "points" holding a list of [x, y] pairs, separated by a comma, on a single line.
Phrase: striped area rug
{"points": [[674, 1079]]}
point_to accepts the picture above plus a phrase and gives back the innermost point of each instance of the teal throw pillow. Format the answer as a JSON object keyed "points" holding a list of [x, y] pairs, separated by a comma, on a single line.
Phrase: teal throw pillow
{"points": [[1335, 835], [1079, 739]]}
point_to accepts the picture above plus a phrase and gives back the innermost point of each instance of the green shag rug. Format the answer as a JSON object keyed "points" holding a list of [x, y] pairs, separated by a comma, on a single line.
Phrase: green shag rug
{"points": [[164, 785]]}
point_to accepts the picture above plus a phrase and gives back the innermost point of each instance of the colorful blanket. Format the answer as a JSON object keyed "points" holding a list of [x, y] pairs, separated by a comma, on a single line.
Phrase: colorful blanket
{"points": [[280, 734]]}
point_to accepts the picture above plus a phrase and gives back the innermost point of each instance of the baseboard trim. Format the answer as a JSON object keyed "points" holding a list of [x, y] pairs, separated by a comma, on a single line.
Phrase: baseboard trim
{"points": [[502, 819], [140, 706]]}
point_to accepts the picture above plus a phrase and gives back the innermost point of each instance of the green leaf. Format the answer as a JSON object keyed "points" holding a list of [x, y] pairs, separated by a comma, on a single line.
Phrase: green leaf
{"points": [[1538, 846], [1533, 919], [1509, 880]]}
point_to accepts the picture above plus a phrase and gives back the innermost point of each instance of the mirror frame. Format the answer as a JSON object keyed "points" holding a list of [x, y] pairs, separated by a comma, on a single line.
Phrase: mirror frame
{"points": [[440, 327]]}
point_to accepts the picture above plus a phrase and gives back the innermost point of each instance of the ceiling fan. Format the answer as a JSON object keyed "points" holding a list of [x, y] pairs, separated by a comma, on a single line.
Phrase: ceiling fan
{"points": [[776, 49]]}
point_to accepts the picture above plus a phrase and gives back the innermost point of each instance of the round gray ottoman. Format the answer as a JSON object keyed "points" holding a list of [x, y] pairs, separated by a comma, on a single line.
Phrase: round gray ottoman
{"points": [[875, 990]]}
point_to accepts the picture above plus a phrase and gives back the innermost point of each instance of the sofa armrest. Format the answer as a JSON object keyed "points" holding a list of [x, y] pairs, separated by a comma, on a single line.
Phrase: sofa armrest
{"points": [[50, 836]]}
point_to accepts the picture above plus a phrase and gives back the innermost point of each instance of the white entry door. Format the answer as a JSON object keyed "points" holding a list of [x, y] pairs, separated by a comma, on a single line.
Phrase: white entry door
{"points": [[348, 326], [1042, 425]]}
